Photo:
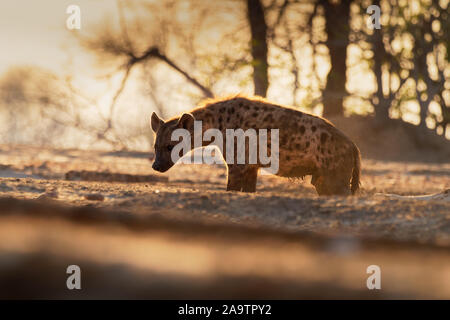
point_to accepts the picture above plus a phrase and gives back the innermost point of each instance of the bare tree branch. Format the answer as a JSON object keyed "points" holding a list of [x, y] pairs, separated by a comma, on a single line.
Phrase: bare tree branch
{"points": [[153, 52]]}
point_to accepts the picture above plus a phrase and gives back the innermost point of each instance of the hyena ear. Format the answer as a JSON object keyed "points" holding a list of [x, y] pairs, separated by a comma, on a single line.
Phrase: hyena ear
{"points": [[186, 121], [156, 122]]}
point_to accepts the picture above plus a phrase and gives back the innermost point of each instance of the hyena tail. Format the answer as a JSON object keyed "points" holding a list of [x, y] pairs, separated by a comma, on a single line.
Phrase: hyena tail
{"points": [[356, 173]]}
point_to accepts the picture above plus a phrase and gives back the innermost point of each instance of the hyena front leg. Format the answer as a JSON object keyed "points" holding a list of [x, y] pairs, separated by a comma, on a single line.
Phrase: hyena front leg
{"points": [[242, 178]]}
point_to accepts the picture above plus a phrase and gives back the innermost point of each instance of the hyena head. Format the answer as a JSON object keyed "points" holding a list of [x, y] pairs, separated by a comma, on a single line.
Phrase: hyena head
{"points": [[163, 138]]}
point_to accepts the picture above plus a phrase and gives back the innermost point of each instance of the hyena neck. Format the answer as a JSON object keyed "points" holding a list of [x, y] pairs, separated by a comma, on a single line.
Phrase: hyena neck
{"points": [[206, 116], [208, 119]]}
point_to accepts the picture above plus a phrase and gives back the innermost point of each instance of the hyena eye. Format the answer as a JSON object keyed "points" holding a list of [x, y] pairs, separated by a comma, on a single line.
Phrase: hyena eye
{"points": [[169, 148]]}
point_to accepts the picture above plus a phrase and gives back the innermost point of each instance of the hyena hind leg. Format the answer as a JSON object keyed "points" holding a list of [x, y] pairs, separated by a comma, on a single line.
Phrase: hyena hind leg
{"points": [[332, 184], [242, 178]]}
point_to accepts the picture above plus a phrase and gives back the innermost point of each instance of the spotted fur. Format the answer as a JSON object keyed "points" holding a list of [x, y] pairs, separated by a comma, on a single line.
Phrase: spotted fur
{"points": [[308, 144]]}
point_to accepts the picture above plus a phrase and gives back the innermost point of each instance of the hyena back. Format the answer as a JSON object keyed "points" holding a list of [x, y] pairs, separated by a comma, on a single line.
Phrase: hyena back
{"points": [[308, 145]]}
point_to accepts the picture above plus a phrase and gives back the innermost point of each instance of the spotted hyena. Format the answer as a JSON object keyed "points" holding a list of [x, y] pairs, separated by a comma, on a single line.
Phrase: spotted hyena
{"points": [[308, 145]]}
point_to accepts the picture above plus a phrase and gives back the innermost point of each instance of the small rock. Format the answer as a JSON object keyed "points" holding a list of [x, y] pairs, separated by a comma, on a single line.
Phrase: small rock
{"points": [[94, 197], [44, 165], [50, 195]]}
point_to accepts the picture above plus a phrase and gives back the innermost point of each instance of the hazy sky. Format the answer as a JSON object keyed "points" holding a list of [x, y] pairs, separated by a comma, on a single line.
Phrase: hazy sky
{"points": [[35, 33]]}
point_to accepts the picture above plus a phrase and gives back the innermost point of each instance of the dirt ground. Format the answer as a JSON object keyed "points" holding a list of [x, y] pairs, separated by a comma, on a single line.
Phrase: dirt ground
{"points": [[180, 234]]}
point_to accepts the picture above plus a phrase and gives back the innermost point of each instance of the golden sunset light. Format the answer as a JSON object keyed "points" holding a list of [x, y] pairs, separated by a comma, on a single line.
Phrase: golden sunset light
{"points": [[216, 151]]}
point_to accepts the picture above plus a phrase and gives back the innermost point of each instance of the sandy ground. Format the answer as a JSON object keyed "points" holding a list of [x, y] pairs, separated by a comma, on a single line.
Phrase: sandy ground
{"points": [[180, 234]]}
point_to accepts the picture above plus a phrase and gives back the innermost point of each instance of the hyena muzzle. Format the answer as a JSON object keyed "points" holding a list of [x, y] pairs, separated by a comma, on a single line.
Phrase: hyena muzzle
{"points": [[308, 144]]}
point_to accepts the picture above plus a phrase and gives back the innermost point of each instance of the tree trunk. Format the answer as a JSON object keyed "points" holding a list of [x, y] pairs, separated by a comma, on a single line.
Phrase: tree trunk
{"points": [[258, 29], [381, 105], [337, 16]]}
